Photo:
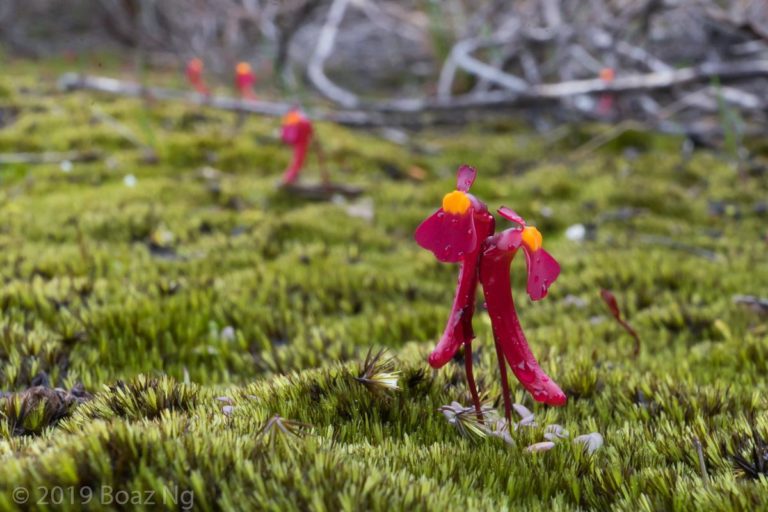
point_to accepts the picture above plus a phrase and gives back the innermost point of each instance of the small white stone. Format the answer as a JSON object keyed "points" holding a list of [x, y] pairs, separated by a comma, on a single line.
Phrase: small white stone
{"points": [[228, 333], [554, 432], [592, 442], [522, 410], [66, 166], [575, 301], [584, 103], [576, 233], [362, 209], [130, 180], [540, 447]]}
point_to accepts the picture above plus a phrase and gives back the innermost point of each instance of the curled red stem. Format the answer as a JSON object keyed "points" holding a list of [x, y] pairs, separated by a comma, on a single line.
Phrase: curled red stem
{"points": [[504, 384]]}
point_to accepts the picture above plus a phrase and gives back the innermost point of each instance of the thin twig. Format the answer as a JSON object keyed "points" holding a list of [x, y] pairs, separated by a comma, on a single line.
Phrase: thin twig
{"points": [[471, 381]]}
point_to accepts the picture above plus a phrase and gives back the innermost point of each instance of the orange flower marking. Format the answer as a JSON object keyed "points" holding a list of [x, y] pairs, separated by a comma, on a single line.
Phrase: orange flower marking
{"points": [[243, 68], [456, 202], [291, 118], [607, 74], [532, 238], [196, 64]]}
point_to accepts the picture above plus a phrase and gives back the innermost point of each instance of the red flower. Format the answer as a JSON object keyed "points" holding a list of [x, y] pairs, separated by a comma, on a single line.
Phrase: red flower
{"points": [[195, 76], [607, 75], [497, 258], [605, 102], [453, 233], [542, 267], [245, 80], [297, 132], [463, 231]]}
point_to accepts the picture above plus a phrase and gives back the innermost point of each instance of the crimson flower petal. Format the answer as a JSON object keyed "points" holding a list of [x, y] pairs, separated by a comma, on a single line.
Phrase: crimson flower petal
{"points": [[465, 177], [543, 269], [509, 335], [450, 341], [511, 215], [290, 133], [448, 236], [458, 329]]}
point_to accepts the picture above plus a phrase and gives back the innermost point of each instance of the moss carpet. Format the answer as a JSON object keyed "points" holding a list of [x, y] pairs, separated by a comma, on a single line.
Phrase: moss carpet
{"points": [[180, 301]]}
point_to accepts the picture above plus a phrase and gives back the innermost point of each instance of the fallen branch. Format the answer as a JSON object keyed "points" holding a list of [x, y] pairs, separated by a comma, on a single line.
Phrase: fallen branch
{"points": [[697, 98], [655, 80], [461, 57], [315, 69], [418, 111], [74, 81]]}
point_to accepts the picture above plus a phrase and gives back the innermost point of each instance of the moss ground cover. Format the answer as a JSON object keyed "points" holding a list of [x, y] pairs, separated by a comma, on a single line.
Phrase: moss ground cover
{"points": [[182, 308]]}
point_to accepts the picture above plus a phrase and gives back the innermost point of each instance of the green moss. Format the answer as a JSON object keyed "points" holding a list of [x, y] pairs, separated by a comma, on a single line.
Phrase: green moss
{"points": [[202, 301]]}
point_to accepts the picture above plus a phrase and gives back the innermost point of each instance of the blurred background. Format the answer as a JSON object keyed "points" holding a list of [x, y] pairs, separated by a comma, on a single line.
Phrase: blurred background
{"points": [[698, 67]]}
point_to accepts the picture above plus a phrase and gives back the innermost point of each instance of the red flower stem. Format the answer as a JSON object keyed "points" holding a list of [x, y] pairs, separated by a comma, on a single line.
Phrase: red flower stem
{"points": [[200, 87], [326, 176], [471, 380], [505, 392]]}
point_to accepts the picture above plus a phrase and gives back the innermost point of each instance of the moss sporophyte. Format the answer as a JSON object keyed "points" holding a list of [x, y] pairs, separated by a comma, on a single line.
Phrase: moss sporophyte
{"points": [[463, 231], [297, 132]]}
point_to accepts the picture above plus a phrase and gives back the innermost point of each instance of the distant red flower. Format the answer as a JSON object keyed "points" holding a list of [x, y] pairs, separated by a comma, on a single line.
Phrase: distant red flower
{"points": [[462, 230], [245, 80], [605, 102], [296, 131], [607, 75], [195, 76]]}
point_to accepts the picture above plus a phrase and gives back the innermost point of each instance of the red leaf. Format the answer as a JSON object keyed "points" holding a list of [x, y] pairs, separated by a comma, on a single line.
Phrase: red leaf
{"points": [[610, 299]]}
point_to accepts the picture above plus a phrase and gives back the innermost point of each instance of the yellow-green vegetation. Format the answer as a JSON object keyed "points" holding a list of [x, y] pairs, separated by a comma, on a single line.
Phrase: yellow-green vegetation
{"points": [[196, 301]]}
